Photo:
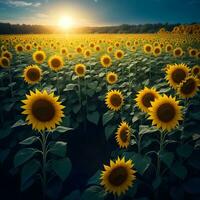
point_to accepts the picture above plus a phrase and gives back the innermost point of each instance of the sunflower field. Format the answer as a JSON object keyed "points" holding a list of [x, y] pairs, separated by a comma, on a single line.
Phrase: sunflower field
{"points": [[100, 117]]}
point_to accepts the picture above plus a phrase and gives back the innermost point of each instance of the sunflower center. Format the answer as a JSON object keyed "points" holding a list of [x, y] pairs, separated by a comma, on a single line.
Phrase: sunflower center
{"points": [[33, 74], [124, 135], [115, 100], [178, 75], [5, 62], [169, 48], [118, 176], [39, 57], [80, 70], [106, 61], [157, 50], [43, 110], [178, 52], [193, 52], [148, 48], [56, 63], [112, 78], [119, 54], [19, 48], [166, 112], [196, 71], [147, 98], [188, 87]]}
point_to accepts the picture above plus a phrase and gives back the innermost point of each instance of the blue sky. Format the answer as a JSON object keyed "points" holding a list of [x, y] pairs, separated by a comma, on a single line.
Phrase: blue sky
{"points": [[100, 12]]}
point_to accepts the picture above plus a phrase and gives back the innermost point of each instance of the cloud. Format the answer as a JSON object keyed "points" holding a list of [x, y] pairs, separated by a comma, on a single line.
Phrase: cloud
{"points": [[23, 4]]}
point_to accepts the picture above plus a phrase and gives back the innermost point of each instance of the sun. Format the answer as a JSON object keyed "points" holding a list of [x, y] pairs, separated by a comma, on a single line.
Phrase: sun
{"points": [[66, 22]]}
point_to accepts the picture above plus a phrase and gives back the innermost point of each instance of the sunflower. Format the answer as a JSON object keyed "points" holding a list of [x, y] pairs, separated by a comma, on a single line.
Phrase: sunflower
{"points": [[39, 57], [114, 100], [168, 48], [195, 70], [123, 135], [109, 49], [63, 51], [119, 54], [80, 70], [19, 48], [28, 47], [157, 51], [32, 74], [178, 52], [165, 113], [111, 77], [189, 87], [176, 73], [145, 97], [148, 48], [193, 52], [43, 110], [87, 53], [97, 48], [55, 63], [118, 177], [7, 54], [4, 62], [79, 50], [106, 61]]}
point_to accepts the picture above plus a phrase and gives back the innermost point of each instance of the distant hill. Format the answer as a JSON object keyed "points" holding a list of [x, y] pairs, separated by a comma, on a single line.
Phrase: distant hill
{"points": [[7, 28]]}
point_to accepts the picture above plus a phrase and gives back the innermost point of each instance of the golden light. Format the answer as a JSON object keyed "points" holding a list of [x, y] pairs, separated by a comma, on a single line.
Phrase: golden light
{"points": [[66, 22]]}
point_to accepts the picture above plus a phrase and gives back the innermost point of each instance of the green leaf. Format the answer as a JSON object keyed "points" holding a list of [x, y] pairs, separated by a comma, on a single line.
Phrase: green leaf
{"points": [[5, 131], [59, 148], [95, 179], [76, 108], [62, 129], [184, 150], [143, 129], [156, 182], [70, 87], [107, 117], [75, 195], [29, 140], [179, 170], [23, 155], [93, 117], [141, 163], [109, 130], [19, 123], [166, 157], [28, 170], [62, 168], [93, 193]]}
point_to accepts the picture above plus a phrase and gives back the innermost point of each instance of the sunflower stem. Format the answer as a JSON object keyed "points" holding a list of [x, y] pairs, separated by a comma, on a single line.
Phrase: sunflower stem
{"points": [[44, 161], [57, 83], [85, 121], [10, 79]]}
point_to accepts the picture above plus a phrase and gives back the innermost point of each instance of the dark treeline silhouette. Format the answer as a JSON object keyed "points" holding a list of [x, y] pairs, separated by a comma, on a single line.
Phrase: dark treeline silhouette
{"points": [[7, 28]]}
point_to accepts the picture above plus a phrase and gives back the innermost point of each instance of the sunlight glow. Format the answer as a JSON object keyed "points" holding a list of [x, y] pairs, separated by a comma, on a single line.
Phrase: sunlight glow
{"points": [[66, 22]]}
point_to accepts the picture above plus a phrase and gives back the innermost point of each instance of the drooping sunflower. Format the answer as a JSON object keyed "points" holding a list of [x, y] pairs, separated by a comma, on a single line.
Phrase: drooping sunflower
{"points": [[114, 100], [56, 63], [178, 52], [39, 57], [119, 54], [176, 73], [118, 177], [80, 70], [106, 60], [43, 110], [189, 87], [32, 74], [148, 48], [4, 62], [123, 135], [111, 77], [195, 70], [165, 113], [145, 97], [157, 51]]}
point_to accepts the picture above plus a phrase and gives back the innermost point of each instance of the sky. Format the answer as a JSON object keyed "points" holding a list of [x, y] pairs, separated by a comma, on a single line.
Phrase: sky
{"points": [[99, 12]]}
